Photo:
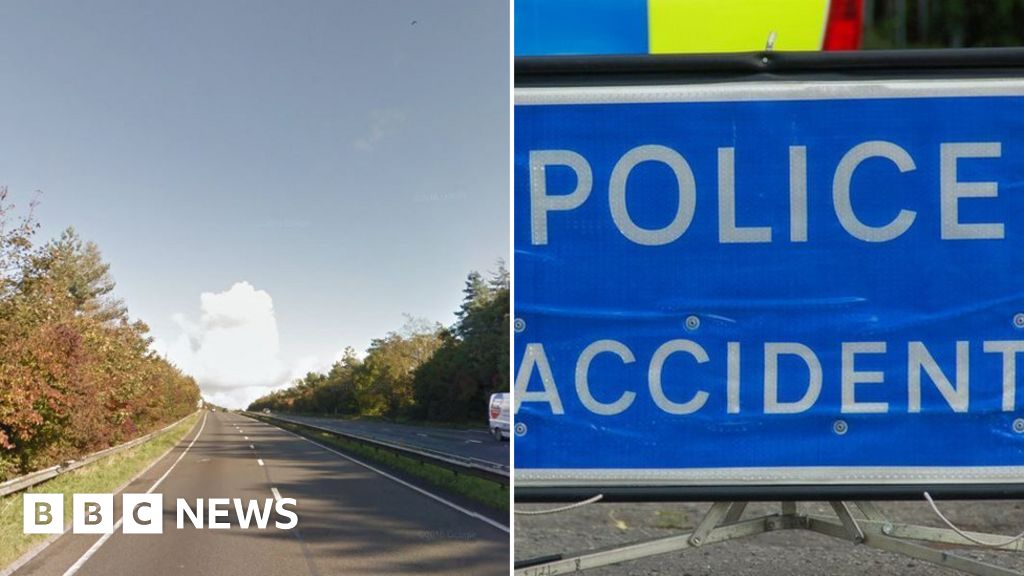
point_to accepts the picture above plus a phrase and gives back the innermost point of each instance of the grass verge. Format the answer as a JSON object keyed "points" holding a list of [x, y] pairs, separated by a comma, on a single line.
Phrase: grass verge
{"points": [[486, 492], [102, 476]]}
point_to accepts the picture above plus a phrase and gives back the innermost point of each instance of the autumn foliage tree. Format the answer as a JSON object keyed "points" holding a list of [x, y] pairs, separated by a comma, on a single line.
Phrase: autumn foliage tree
{"points": [[472, 361], [76, 374], [423, 371]]}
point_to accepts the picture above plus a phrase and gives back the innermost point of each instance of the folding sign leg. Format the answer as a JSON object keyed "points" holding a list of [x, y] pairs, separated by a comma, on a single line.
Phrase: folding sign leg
{"points": [[708, 531], [875, 530], [722, 522], [939, 557], [735, 512], [938, 535], [715, 515], [849, 523], [877, 519], [871, 511]]}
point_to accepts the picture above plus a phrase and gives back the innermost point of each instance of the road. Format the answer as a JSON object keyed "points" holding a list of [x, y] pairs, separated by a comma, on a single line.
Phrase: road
{"points": [[351, 519], [785, 553], [474, 443]]}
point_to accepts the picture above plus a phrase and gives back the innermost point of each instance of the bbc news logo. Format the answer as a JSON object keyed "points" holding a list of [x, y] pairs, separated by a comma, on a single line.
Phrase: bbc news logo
{"points": [[143, 513]]}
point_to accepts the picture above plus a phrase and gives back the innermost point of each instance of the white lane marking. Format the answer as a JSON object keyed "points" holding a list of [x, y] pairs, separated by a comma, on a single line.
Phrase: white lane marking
{"points": [[31, 554], [418, 434], [251, 447], [246, 437], [277, 495], [430, 495], [476, 441], [242, 431], [103, 539], [259, 461]]}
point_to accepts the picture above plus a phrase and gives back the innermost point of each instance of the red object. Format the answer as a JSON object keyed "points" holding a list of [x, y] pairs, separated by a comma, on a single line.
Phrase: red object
{"points": [[843, 31], [495, 411]]}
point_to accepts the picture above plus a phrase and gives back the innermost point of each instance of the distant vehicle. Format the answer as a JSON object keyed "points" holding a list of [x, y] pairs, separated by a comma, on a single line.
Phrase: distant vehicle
{"points": [[213, 409], [499, 416]]}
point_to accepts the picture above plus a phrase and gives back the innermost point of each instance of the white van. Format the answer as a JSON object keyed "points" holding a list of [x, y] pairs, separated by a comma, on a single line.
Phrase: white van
{"points": [[499, 416]]}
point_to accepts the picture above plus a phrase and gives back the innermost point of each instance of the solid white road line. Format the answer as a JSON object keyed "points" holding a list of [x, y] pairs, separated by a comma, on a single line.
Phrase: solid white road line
{"points": [[259, 461], [103, 540], [430, 495], [31, 554], [277, 495]]}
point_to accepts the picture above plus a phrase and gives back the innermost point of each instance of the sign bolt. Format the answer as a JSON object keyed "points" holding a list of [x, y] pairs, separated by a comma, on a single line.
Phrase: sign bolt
{"points": [[519, 325], [1018, 320], [692, 322], [1018, 425], [520, 429], [839, 427]]}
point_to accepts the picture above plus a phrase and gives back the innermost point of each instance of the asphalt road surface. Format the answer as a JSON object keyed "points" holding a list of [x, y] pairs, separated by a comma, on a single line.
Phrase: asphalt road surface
{"points": [[787, 552], [474, 443], [351, 520]]}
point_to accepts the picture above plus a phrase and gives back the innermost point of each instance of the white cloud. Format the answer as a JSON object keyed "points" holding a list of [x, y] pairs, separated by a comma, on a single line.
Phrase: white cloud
{"points": [[233, 349]]}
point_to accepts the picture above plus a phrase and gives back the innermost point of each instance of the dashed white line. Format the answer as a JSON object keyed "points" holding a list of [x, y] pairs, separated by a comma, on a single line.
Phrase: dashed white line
{"points": [[246, 437], [475, 441], [415, 488], [259, 461], [251, 447], [277, 495], [419, 434]]}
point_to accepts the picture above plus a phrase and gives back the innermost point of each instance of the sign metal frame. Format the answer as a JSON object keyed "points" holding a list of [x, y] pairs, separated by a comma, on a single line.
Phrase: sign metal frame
{"points": [[803, 76]]}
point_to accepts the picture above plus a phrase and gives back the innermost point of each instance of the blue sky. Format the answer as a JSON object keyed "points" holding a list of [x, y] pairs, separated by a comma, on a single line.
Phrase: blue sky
{"points": [[270, 181]]}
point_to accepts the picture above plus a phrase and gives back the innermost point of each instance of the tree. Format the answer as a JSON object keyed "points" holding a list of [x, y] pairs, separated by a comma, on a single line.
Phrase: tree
{"points": [[15, 242], [424, 370], [387, 371], [472, 361], [943, 23], [79, 267], [475, 294], [75, 374], [500, 279]]}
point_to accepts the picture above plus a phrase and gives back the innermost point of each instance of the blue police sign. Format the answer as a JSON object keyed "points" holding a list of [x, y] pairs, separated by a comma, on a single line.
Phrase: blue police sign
{"points": [[770, 283]]}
